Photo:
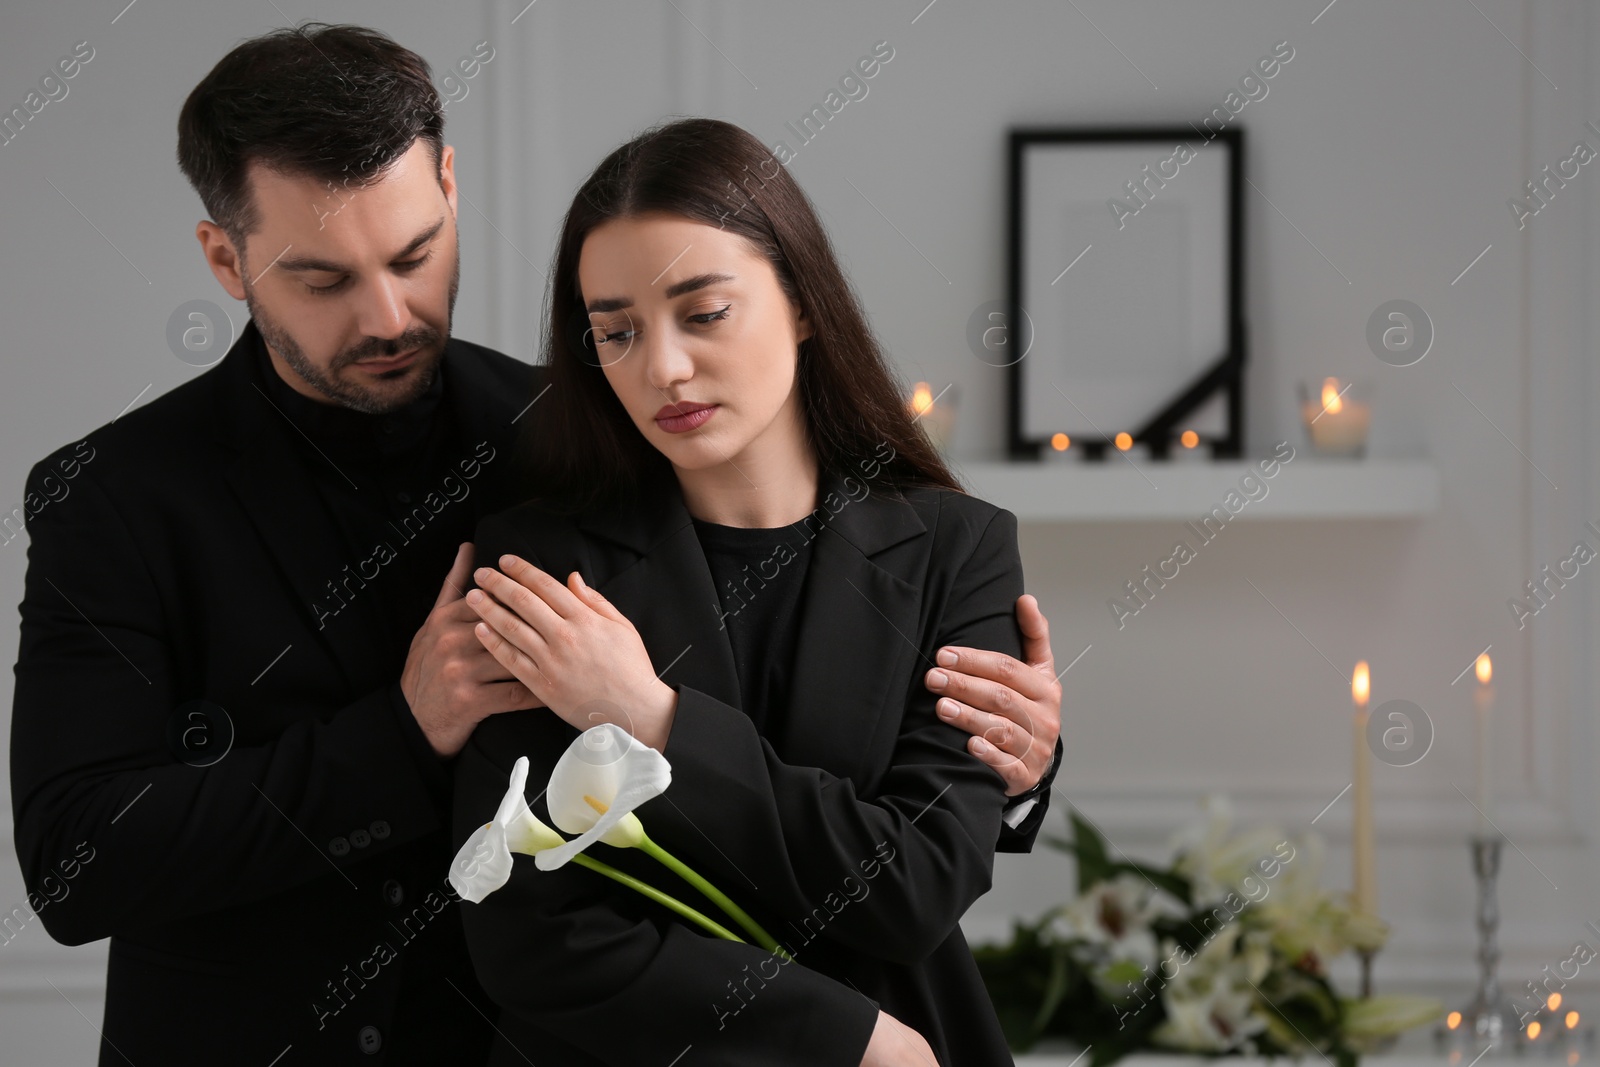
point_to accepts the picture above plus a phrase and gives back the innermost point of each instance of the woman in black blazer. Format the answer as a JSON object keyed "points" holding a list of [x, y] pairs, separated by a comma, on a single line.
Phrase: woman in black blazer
{"points": [[789, 559]]}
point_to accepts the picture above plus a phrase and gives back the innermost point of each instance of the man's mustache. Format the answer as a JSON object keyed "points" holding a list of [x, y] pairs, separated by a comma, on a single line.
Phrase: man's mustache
{"points": [[388, 346]]}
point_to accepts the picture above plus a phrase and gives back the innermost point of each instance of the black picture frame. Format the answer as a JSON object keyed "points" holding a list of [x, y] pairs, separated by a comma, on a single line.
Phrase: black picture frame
{"points": [[1223, 374]]}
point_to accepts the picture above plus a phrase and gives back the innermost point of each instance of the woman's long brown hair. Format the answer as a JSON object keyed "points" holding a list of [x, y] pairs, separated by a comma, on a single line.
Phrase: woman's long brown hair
{"points": [[579, 448]]}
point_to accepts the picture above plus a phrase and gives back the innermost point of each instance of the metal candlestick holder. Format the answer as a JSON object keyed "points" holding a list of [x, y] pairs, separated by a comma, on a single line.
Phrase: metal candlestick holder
{"points": [[1489, 1018]]}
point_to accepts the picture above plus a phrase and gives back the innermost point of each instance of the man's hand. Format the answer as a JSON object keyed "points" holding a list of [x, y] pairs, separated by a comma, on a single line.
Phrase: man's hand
{"points": [[894, 1044], [451, 682], [1012, 709]]}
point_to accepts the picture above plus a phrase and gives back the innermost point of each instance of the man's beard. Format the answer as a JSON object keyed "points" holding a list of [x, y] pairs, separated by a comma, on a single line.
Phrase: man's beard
{"points": [[353, 394]]}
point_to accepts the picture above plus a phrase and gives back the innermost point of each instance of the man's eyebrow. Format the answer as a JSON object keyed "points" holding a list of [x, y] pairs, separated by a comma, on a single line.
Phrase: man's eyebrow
{"points": [[305, 263], [688, 285]]}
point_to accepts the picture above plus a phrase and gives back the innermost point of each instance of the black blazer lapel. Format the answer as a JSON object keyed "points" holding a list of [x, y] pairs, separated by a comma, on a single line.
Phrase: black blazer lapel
{"points": [[858, 620], [858, 629]]}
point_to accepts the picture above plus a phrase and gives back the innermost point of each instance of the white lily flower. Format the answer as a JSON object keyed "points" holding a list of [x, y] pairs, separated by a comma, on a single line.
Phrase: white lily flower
{"points": [[1215, 858], [1111, 920], [596, 785], [1211, 1003], [483, 864]]}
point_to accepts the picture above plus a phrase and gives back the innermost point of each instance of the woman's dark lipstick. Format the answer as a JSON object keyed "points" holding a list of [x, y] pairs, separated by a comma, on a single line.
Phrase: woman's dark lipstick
{"points": [[679, 418]]}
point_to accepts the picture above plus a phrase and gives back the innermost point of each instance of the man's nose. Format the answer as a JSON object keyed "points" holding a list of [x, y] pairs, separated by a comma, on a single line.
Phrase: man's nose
{"points": [[383, 310]]}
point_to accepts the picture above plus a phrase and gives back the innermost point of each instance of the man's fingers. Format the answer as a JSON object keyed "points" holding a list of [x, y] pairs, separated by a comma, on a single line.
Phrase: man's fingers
{"points": [[976, 669], [997, 730], [1014, 771], [455, 583], [511, 696], [1035, 635]]}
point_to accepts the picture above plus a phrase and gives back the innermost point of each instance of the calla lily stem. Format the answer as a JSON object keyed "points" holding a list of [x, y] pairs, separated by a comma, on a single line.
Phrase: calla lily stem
{"points": [[658, 896], [712, 893]]}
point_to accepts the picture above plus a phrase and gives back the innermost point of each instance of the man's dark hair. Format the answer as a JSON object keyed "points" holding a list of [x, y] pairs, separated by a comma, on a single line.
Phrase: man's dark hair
{"points": [[336, 103]]}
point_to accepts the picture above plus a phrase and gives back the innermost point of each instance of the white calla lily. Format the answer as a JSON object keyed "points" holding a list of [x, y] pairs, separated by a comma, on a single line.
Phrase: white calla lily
{"points": [[483, 864], [596, 785]]}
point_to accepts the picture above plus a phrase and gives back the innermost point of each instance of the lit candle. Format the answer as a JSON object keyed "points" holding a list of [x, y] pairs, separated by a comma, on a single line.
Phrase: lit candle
{"points": [[1336, 422], [935, 418], [1483, 697], [1125, 445], [1188, 449], [1363, 876]]}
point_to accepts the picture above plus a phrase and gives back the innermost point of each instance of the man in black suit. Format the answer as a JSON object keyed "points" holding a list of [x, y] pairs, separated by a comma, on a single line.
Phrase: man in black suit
{"points": [[245, 660]]}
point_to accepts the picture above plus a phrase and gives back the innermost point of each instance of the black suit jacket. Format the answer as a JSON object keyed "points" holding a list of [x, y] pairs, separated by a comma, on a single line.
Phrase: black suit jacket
{"points": [[858, 837], [245, 901]]}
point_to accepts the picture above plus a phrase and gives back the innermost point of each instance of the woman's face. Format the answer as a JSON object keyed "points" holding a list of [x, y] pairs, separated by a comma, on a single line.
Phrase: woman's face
{"points": [[683, 313]]}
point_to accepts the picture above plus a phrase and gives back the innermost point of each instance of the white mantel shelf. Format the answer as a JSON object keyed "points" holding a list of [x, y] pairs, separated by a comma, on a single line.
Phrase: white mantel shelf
{"points": [[1120, 490]]}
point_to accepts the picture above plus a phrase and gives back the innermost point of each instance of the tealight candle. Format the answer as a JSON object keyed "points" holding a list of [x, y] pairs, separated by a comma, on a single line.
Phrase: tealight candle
{"points": [[936, 413], [1059, 450], [1337, 417], [1188, 449]]}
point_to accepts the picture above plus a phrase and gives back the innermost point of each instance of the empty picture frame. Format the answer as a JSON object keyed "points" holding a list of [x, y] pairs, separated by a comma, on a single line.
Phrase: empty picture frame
{"points": [[1125, 282]]}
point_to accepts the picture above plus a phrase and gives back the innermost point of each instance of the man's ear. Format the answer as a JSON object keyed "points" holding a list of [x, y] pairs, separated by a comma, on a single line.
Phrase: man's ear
{"points": [[225, 261], [447, 175]]}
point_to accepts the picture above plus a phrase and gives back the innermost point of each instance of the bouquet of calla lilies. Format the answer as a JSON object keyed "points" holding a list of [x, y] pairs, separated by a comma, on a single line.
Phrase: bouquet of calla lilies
{"points": [[596, 785]]}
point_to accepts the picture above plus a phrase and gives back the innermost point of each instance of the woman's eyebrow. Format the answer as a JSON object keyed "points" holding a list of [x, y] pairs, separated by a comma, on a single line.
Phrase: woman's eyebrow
{"points": [[688, 285]]}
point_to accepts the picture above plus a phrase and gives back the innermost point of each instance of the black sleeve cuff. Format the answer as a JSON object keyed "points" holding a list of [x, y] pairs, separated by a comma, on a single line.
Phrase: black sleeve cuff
{"points": [[1019, 838], [431, 766]]}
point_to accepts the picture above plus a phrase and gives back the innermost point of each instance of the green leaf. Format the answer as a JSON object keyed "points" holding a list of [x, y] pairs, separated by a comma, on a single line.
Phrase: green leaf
{"points": [[1094, 864]]}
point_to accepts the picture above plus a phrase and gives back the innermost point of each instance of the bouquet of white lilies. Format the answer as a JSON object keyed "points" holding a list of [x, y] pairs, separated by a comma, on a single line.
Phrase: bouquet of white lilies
{"points": [[1223, 951]]}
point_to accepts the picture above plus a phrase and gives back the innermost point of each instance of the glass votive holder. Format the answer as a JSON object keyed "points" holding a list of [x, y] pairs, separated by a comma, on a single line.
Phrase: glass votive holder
{"points": [[935, 410], [1337, 415]]}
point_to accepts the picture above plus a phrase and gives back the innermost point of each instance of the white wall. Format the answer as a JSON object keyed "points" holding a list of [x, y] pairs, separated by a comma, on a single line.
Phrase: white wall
{"points": [[1388, 148]]}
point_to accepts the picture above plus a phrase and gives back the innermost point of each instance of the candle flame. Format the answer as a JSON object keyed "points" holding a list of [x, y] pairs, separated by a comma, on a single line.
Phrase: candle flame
{"points": [[921, 398], [1124, 441], [1361, 684], [1572, 1020], [1453, 1020], [1554, 1001], [1190, 439], [1485, 671], [1533, 1030], [1060, 442], [1332, 402]]}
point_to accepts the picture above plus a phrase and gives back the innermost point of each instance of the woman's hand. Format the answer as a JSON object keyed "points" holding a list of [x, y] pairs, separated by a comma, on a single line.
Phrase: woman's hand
{"points": [[894, 1044], [572, 649]]}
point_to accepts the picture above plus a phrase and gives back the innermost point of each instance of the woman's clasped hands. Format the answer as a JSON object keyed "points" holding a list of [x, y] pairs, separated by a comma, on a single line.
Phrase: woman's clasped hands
{"points": [[572, 648]]}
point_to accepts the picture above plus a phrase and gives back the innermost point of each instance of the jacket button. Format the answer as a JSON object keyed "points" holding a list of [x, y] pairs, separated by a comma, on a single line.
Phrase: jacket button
{"points": [[339, 846], [380, 830], [360, 838], [394, 892], [370, 1040]]}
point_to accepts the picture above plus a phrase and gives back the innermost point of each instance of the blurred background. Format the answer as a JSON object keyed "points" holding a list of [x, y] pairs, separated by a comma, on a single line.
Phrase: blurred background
{"points": [[1384, 163]]}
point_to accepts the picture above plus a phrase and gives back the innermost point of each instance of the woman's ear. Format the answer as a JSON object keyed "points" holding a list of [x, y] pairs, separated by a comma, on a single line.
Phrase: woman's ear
{"points": [[802, 326]]}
